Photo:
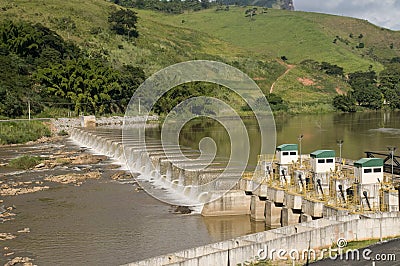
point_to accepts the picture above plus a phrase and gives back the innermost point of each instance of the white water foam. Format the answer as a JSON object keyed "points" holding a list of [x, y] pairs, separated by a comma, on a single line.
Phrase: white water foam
{"points": [[391, 131], [165, 192]]}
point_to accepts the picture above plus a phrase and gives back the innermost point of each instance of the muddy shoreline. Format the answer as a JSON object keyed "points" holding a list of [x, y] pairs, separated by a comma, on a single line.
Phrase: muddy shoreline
{"points": [[63, 165]]}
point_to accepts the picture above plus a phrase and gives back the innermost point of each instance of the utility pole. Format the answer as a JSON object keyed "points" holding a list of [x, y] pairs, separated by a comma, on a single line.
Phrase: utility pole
{"points": [[300, 138], [139, 105], [29, 109], [392, 149], [340, 143]]}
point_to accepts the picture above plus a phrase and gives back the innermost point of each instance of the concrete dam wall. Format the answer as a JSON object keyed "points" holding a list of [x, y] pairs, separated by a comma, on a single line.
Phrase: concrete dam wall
{"points": [[315, 235], [206, 186]]}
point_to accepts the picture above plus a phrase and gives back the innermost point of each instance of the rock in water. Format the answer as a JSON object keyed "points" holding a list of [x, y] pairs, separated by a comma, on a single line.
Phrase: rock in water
{"points": [[183, 210]]}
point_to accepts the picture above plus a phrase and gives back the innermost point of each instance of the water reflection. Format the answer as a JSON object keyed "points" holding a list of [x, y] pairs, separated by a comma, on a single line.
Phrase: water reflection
{"points": [[371, 131]]}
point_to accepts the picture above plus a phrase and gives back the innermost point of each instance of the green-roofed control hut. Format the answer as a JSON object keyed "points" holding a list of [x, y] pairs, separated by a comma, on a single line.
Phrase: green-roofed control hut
{"points": [[368, 170], [323, 161], [287, 153]]}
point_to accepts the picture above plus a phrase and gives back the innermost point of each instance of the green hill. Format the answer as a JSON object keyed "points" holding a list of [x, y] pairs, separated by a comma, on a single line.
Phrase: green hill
{"points": [[297, 35], [254, 45]]}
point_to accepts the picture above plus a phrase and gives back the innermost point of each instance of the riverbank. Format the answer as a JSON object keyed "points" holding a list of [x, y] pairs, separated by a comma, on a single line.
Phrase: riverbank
{"points": [[18, 132], [61, 164], [33, 132], [66, 124]]}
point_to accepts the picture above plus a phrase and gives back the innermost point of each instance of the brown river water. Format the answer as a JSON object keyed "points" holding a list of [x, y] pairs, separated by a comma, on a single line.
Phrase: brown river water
{"points": [[101, 222], [105, 222]]}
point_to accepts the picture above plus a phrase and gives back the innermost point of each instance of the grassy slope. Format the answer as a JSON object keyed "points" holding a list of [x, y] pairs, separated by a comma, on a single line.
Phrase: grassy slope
{"points": [[320, 89], [297, 35], [253, 46]]}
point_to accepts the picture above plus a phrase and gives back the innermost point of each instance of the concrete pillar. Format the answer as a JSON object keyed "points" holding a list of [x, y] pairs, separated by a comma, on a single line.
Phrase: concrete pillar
{"points": [[276, 194], [313, 208], [88, 121], [293, 201], [391, 201], [272, 214], [289, 217], [257, 209], [305, 218]]}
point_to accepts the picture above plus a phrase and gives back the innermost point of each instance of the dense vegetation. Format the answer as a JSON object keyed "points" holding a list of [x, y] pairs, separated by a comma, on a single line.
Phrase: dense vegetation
{"points": [[283, 4], [39, 67], [90, 56], [173, 6], [372, 91], [21, 131]]}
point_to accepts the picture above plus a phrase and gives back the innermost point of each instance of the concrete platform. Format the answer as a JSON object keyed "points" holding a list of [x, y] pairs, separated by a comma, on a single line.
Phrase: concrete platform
{"points": [[293, 201], [289, 217]]}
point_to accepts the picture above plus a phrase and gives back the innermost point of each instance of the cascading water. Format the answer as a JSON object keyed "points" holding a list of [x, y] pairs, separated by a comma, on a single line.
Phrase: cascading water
{"points": [[135, 157]]}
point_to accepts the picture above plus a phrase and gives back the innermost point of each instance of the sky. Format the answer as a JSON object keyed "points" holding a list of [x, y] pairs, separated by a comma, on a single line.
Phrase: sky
{"points": [[384, 13]]}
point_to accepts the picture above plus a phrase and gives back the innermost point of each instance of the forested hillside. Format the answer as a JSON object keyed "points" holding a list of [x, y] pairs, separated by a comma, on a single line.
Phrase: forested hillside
{"points": [[89, 57]]}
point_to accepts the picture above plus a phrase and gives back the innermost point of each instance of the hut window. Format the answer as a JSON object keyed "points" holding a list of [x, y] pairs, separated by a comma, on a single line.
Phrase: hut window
{"points": [[366, 171], [285, 153], [293, 153], [329, 160], [321, 160], [377, 170]]}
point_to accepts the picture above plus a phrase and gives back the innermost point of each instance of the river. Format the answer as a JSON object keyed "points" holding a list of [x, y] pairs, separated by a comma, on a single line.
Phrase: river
{"points": [[360, 132], [108, 223]]}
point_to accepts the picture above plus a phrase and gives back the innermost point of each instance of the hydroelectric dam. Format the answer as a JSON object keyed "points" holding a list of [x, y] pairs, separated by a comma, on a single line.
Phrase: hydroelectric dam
{"points": [[168, 177], [312, 200]]}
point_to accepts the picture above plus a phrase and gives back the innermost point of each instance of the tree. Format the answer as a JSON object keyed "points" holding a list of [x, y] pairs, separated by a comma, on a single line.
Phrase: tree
{"points": [[89, 84], [251, 12], [15, 86], [362, 79], [205, 4], [330, 69], [344, 103], [395, 59], [392, 97], [276, 102], [360, 45], [130, 78], [369, 96], [390, 76], [123, 22]]}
